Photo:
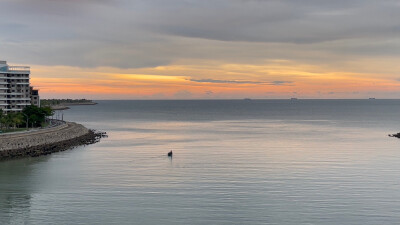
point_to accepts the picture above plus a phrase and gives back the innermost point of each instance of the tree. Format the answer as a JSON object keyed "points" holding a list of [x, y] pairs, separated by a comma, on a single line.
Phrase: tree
{"points": [[7, 120], [47, 111], [2, 119], [36, 115], [16, 119], [1, 116]]}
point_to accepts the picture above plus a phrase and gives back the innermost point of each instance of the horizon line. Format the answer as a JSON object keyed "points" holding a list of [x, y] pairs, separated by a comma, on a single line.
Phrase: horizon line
{"points": [[222, 99]]}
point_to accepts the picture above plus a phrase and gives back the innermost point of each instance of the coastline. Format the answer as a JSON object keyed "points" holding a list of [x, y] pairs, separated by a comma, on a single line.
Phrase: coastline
{"points": [[59, 107], [64, 106], [46, 141]]}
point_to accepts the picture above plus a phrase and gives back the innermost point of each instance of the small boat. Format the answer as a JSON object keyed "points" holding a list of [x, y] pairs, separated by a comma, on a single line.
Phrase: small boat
{"points": [[170, 154]]}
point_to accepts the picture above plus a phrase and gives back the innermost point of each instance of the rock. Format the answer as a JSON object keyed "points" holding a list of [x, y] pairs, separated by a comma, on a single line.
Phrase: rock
{"points": [[47, 141], [395, 135]]}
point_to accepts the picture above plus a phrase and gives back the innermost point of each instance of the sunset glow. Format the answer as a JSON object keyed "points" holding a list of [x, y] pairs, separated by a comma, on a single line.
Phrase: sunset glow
{"points": [[191, 49], [233, 81]]}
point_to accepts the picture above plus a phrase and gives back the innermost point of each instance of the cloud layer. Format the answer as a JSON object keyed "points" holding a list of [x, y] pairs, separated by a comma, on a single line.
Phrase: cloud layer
{"points": [[351, 36], [129, 34]]}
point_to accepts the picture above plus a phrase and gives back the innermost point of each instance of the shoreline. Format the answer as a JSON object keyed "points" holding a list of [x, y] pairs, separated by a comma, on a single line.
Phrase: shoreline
{"points": [[46, 141], [64, 106]]}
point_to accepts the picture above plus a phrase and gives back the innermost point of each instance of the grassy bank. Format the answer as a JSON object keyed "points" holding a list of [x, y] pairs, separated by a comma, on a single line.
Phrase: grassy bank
{"points": [[12, 130]]}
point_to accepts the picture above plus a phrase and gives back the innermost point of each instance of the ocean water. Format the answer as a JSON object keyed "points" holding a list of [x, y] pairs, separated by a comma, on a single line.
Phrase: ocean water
{"points": [[235, 162]]}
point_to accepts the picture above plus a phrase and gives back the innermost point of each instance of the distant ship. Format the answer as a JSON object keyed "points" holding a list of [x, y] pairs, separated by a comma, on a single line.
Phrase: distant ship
{"points": [[294, 99], [247, 99], [372, 98]]}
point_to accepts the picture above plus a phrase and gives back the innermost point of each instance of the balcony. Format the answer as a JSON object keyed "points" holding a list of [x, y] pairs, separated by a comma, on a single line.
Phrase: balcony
{"points": [[19, 68], [18, 98], [15, 94], [23, 83]]}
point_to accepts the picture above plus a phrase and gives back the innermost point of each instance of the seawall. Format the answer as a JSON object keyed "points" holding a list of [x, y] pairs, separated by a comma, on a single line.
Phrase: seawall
{"points": [[46, 141]]}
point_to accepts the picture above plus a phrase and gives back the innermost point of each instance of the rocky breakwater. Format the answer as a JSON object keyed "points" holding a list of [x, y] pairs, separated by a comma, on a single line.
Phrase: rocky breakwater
{"points": [[46, 141]]}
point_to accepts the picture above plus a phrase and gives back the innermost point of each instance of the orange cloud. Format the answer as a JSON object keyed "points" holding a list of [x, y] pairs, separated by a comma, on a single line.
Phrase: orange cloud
{"points": [[275, 79]]}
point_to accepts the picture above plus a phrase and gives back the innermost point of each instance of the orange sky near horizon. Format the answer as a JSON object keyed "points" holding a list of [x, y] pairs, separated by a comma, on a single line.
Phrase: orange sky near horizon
{"points": [[223, 81], [228, 49]]}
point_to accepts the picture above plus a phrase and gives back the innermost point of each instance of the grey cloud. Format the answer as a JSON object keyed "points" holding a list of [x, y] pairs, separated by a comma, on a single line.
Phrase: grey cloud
{"points": [[279, 21], [239, 82], [209, 92], [280, 82], [136, 33], [224, 81]]}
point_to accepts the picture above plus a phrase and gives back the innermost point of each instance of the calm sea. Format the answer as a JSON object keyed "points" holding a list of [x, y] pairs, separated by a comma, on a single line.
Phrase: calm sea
{"points": [[235, 162]]}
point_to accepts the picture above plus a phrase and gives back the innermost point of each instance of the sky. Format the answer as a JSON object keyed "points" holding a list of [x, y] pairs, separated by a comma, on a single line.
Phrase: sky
{"points": [[205, 49]]}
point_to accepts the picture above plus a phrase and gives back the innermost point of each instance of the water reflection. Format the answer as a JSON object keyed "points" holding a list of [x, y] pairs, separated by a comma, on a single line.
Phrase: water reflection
{"points": [[233, 171], [16, 189]]}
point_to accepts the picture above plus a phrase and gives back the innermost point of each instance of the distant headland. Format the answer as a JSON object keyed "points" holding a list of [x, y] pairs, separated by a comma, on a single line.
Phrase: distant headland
{"points": [[62, 104]]}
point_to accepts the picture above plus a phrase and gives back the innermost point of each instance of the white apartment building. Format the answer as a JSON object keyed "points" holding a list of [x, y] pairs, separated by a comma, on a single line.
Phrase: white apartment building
{"points": [[15, 90]]}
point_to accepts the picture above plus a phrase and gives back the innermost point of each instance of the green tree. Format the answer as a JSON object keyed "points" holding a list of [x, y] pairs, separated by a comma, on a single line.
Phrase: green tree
{"points": [[36, 115], [4, 122], [7, 120], [1, 118], [47, 110], [16, 119]]}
